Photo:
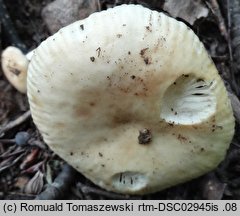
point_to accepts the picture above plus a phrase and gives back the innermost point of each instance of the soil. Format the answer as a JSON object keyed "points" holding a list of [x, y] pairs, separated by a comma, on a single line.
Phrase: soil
{"points": [[23, 152]]}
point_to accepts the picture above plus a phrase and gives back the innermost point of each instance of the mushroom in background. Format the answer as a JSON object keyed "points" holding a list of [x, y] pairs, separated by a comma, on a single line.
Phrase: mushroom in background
{"points": [[14, 66], [136, 107]]}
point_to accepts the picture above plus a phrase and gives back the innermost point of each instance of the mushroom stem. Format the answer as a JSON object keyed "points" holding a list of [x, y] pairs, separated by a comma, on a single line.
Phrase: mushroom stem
{"points": [[8, 28]]}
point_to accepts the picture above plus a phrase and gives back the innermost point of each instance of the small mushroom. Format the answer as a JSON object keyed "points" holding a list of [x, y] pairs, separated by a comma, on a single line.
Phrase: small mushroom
{"points": [[136, 108], [14, 66]]}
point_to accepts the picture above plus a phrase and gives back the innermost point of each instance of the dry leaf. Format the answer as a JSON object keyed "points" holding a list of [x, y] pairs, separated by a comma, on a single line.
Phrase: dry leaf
{"points": [[188, 10], [32, 156], [35, 185], [21, 182], [60, 13], [35, 167], [213, 188]]}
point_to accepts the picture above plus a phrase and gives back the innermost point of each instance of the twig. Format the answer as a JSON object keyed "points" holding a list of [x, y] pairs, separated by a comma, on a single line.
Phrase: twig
{"points": [[234, 8], [16, 122], [92, 190], [58, 189], [232, 75], [9, 29], [9, 151], [13, 163], [231, 10], [7, 141], [229, 31], [235, 144], [37, 143], [220, 58], [214, 6], [18, 196], [19, 151], [99, 7]]}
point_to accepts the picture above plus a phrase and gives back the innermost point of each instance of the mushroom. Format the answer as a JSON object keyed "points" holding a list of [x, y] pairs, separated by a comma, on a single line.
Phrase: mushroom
{"points": [[14, 66], [136, 107]]}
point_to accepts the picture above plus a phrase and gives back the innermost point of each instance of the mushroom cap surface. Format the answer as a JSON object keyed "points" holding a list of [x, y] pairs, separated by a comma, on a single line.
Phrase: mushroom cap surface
{"points": [[130, 98], [15, 65]]}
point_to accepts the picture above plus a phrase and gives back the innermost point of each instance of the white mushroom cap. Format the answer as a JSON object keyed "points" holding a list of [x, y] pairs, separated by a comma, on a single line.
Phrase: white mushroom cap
{"points": [[130, 98], [14, 66]]}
